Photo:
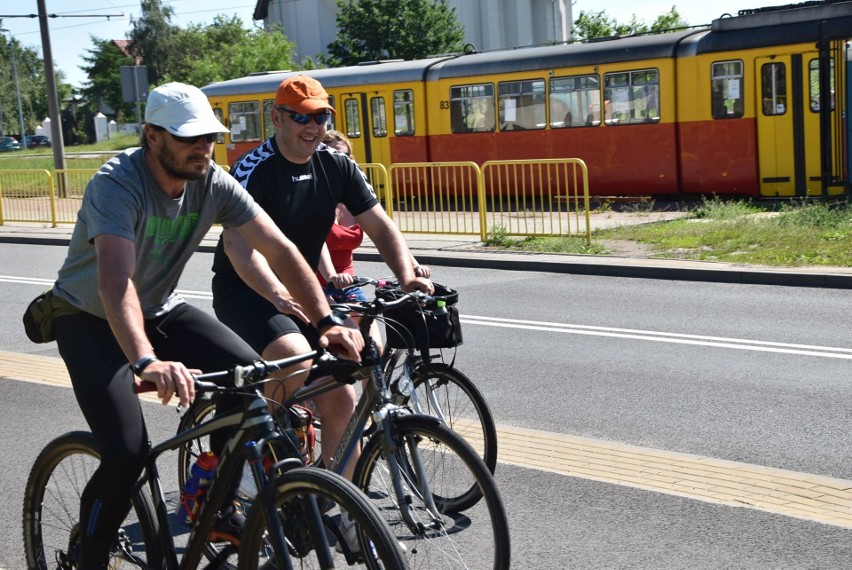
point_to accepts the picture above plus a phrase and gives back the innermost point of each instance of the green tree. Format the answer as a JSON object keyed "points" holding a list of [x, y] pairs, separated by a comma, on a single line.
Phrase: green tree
{"points": [[393, 29], [152, 39], [104, 77], [589, 25], [30, 83], [671, 20], [225, 50]]}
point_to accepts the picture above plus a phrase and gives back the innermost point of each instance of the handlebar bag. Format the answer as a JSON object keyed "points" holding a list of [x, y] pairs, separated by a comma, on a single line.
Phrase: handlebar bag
{"points": [[412, 326]]}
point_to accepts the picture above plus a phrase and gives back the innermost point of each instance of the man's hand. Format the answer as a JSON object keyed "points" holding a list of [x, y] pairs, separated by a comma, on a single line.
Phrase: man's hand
{"points": [[419, 284], [345, 338], [423, 271], [287, 304], [170, 378]]}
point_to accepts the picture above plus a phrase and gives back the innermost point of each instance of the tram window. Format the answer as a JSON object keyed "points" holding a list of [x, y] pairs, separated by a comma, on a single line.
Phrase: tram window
{"points": [[380, 117], [220, 137], [726, 90], [774, 88], [575, 101], [632, 97], [353, 118], [245, 121], [472, 108], [403, 113], [268, 127], [521, 105], [813, 80]]}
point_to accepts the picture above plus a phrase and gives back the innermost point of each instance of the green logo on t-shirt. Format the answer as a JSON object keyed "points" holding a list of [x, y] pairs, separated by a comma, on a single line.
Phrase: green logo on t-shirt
{"points": [[168, 231]]}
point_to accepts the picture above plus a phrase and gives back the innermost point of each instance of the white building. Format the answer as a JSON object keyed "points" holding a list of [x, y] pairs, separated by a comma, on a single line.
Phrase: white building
{"points": [[488, 24]]}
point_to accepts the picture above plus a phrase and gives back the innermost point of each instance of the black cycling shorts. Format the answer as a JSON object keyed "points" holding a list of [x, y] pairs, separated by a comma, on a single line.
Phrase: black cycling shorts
{"points": [[257, 321]]}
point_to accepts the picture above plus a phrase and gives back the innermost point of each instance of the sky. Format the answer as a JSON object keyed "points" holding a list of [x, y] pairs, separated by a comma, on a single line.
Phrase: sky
{"points": [[70, 37]]}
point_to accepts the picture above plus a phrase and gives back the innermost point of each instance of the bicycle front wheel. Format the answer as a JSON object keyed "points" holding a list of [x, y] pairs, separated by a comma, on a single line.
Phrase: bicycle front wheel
{"points": [[335, 496], [52, 510], [438, 472], [449, 395]]}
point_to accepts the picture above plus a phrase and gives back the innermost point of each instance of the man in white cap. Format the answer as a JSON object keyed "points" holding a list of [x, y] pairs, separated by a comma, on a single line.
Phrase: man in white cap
{"points": [[143, 215]]}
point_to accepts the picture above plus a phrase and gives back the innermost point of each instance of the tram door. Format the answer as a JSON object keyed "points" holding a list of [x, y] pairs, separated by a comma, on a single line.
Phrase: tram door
{"points": [[365, 123], [788, 125]]}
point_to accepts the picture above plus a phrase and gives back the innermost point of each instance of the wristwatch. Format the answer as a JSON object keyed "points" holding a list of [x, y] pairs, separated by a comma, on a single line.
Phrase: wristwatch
{"points": [[333, 320], [140, 365]]}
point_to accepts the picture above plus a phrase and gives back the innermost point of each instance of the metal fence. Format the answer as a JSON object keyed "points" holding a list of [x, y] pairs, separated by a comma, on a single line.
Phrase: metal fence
{"points": [[513, 197]]}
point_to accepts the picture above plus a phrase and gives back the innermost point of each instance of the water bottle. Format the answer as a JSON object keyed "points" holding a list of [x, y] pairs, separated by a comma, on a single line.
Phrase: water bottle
{"points": [[195, 488], [441, 307]]}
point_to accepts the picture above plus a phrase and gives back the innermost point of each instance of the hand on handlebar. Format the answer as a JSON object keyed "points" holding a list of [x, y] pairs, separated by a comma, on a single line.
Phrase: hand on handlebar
{"points": [[171, 378], [423, 271], [341, 280], [419, 284], [349, 340]]}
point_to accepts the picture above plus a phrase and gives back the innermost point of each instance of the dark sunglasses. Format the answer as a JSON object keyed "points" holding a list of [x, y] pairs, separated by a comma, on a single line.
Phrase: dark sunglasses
{"points": [[192, 140], [319, 118]]}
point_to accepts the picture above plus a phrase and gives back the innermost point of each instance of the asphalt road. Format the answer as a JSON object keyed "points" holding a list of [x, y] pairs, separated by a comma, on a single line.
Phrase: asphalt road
{"points": [[749, 374]]}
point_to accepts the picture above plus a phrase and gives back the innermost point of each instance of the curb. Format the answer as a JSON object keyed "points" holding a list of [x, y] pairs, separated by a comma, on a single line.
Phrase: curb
{"points": [[589, 265]]}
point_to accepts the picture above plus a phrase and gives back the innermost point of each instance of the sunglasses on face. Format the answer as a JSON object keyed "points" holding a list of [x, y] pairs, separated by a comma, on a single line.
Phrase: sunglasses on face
{"points": [[209, 138], [319, 118]]}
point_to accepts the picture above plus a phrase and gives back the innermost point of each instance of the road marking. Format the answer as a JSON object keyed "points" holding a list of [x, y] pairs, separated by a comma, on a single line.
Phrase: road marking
{"points": [[544, 326], [800, 495], [677, 338]]}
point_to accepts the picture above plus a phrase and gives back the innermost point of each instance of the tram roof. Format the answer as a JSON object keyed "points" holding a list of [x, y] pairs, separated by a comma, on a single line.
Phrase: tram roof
{"points": [[589, 53], [364, 74]]}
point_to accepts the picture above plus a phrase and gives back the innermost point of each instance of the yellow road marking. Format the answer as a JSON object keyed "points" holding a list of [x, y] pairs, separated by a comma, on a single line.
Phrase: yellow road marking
{"points": [[790, 493]]}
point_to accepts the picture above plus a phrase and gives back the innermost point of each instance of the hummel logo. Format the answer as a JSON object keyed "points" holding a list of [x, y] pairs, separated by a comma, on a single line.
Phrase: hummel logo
{"points": [[302, 178]]}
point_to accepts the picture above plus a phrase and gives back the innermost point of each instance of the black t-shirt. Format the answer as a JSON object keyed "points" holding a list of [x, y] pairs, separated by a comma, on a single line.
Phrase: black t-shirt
{"points": [[300, 199]]}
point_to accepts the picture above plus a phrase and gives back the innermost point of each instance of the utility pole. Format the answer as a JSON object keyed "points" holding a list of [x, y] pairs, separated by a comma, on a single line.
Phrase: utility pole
{"points": [[52, 95]]}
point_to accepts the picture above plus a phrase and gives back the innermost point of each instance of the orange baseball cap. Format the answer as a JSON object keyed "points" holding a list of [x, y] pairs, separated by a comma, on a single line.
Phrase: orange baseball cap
{"points": [[303, 94]]}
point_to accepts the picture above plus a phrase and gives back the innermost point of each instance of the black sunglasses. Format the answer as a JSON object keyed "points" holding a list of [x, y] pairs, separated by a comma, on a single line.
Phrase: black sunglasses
{"points": [[319, 118], [210, 137]]}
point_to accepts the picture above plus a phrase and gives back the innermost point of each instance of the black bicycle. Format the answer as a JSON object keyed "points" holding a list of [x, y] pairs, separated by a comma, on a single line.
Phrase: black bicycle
{"points": [[295, 517], [432, 487]]}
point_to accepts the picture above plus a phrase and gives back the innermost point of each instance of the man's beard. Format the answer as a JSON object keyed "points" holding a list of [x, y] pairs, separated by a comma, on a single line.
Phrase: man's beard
{"points": [[170, 164]]}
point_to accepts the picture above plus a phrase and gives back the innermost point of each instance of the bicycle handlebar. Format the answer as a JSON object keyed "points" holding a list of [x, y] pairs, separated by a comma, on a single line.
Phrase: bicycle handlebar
{"points": [[340, 368]]}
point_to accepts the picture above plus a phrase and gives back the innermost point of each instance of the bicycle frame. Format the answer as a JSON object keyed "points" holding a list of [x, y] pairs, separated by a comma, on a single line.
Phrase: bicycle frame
{"points": [[255, 429], [376, 404]]}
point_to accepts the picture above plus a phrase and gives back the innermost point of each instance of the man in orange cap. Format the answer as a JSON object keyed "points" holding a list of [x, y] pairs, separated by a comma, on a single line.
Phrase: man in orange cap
{"points": [[299, 182]]}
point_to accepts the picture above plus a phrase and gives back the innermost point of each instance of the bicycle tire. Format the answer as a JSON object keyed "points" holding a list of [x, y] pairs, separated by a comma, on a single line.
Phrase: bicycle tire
{"points": [[52, 503], [329, 489], [478, 538], [459, 404], [189, 452]]}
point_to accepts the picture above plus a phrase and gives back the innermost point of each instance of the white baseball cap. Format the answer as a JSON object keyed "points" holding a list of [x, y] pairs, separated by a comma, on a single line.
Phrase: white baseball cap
{"points": [[183, 110]]}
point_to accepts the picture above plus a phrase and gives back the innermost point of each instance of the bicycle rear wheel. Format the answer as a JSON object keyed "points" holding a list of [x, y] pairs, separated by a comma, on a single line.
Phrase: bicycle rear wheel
{"points": [[449, 395], [454, 475], [52, 510], [336, 495]]}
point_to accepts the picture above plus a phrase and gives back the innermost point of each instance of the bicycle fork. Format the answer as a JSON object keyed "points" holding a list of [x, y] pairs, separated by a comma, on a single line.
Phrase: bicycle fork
{"points": [[417, 483]]}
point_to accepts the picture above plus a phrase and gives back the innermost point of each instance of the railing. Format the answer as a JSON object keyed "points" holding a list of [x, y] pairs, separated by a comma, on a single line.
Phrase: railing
{"points": [[515, 197]]}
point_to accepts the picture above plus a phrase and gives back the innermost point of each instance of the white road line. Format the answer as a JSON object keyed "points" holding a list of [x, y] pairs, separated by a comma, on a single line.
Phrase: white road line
{"points": [[544, 326]]}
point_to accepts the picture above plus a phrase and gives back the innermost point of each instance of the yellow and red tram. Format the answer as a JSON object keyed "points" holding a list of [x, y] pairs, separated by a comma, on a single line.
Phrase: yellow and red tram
{"points": [[755, 105]]}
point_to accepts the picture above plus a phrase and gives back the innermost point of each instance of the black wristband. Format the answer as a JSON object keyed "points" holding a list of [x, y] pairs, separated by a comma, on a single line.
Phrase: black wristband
{"points": [[143, 363], [332, 320]]}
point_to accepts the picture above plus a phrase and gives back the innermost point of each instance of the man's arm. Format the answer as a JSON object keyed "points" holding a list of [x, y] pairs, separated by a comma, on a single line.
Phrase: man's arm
{"points": [[285, 262], [254, 270], [391, 245], [116, 265]]}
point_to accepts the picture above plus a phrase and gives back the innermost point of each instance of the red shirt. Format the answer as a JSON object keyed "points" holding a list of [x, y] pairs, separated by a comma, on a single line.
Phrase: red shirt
{"points": [[342, 242]]}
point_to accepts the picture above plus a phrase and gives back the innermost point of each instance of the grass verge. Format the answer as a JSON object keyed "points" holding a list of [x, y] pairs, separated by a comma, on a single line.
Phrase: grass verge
{"points": [[794, 234]]}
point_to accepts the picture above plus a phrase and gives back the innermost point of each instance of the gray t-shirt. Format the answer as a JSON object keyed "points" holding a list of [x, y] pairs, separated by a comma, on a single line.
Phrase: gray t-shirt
{"points": [[123, 199]]}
